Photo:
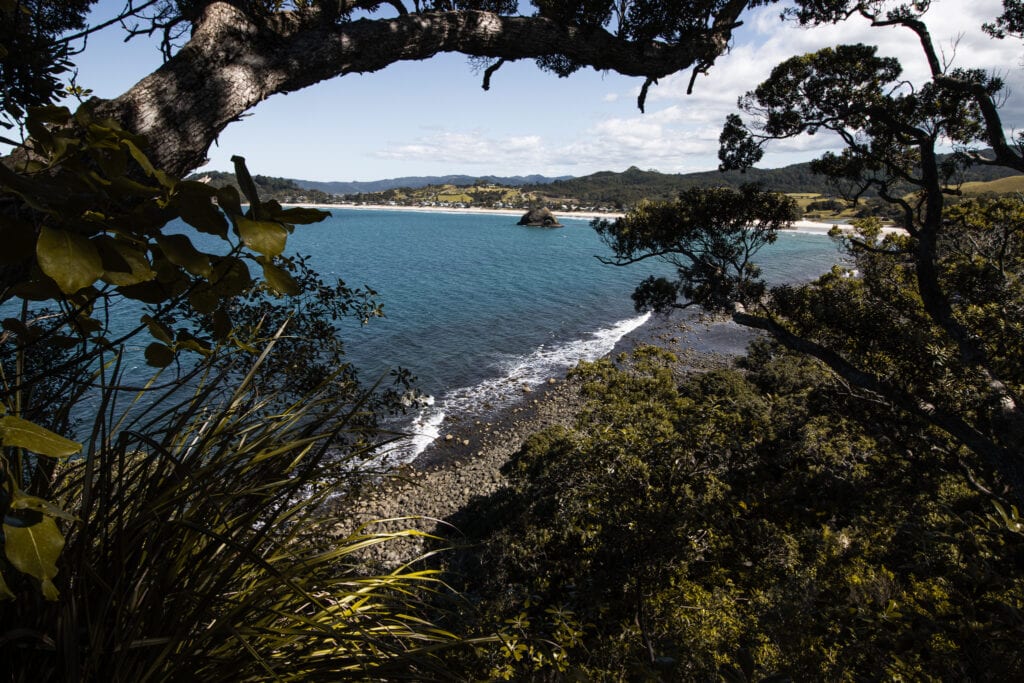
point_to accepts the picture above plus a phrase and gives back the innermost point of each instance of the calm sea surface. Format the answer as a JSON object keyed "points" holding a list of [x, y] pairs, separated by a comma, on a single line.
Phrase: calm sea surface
{"points": [[477, 307]]}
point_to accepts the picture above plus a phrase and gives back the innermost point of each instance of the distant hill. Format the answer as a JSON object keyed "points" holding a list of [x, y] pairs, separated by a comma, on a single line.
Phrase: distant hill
{"points": [[632, 185], [603, 189], [414, 182], [284, 190]]}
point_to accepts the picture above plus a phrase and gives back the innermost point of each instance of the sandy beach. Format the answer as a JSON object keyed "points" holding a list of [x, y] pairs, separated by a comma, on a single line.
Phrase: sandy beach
{"points": [[467, 459], [808, 227], [518, 213]]}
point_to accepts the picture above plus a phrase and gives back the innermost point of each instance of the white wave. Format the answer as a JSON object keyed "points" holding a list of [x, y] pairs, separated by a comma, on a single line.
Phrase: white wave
{"points": [[521, 375]]}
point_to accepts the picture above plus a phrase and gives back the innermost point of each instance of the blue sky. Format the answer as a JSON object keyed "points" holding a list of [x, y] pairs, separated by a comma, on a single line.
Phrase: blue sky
{"points": [[433, 118]]}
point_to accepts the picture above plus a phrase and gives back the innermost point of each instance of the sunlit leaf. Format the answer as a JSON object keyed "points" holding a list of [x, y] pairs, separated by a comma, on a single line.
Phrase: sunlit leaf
{"points": [[20, 433], [33, 549], [124, 264], [266, 237], [140, 158], [280, 280], [158, 329], [180, 251], [22, 501], [70, 259]]}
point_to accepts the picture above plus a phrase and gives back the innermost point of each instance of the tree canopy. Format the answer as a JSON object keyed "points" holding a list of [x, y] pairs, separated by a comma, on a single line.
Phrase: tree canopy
{"points": [[223, 58], [911, 322]]}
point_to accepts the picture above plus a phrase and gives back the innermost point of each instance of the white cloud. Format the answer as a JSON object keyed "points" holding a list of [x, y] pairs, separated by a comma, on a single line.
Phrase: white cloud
{"points": [[681, 124], [680, 132], [466, 149]]}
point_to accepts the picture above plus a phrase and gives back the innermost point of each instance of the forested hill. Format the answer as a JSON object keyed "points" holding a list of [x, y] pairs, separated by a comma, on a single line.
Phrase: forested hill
{"points": [[633, 184], [605, 188], [284, 190], [415, 182]]}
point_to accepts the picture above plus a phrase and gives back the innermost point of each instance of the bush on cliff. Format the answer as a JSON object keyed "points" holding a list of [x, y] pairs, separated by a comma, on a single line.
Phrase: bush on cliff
{"points": [[746, 522]]}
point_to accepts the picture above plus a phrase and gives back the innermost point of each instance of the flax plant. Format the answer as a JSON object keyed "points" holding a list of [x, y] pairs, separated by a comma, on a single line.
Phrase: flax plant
{"points": [[203, 549]]}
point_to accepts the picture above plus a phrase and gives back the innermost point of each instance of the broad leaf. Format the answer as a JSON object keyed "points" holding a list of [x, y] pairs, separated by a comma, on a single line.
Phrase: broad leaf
{"points": [[231, 277], [125, 265], [228, 199], [245, 183], [159, 355], [23, 501], [159, 330], [19, 433], [69, 259], [266, 237], [179, 250], [33, 549], [5, 592], [193, 201], [280, 280]]}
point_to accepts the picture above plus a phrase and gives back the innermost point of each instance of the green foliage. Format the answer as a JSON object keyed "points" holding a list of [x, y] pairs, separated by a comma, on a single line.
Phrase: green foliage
{"points": [[710, 235], [744, 524], [33, 63], [84, 220], [192, 537], [910, 321], [202, 546]]}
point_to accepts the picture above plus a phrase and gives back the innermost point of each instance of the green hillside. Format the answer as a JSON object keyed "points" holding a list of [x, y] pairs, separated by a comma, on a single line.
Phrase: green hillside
{"points": [[283, 190]]}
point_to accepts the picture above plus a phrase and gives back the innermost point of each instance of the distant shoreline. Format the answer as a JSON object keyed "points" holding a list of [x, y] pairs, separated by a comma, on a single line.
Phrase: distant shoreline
{"points": [[588, 215], [806, 227]]}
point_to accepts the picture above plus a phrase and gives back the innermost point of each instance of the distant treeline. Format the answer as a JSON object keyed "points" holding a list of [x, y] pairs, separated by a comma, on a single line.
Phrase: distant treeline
{"points": [[603, 189], [284, 190], [633, 184]]}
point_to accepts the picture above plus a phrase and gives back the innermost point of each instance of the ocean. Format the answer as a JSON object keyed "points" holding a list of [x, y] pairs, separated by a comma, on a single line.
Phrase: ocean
{"points": [[480, 309]]}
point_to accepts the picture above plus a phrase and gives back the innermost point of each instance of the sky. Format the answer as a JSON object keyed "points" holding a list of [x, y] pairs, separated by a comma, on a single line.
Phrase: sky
{"points": [[433, 118]]}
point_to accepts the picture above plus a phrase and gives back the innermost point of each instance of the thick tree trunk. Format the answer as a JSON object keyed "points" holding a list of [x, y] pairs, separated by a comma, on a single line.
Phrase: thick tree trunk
{"points": [[234, 62]]}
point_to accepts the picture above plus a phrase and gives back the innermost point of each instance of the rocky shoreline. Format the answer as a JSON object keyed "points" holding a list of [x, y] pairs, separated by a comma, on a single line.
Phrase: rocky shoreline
{"points": [[465, 462]]}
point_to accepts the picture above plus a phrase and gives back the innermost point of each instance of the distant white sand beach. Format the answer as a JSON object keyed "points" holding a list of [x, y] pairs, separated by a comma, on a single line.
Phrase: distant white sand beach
{"points": [[809, 227]]}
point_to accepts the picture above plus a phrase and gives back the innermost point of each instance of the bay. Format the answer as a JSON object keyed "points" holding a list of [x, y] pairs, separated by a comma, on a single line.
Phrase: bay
{"points": [[480, 309]]}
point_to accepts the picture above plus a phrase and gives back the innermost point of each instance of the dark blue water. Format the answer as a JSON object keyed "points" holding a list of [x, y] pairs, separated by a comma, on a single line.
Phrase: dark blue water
{"points": [[479, 308]]}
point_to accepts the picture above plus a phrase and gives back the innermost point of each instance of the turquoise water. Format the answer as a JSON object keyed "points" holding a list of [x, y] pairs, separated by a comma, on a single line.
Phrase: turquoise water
{"points": [[479, 308]]}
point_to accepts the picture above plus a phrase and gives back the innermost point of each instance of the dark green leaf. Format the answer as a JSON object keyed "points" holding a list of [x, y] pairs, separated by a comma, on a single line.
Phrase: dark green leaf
{"points": [[159, 355], [70, 259]]}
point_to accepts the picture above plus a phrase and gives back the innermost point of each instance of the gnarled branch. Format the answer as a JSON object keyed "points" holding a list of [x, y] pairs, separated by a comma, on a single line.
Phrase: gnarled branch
{"points": [[234, 61]]}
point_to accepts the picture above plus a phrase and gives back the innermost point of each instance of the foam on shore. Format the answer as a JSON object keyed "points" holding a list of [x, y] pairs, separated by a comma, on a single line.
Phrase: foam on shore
{"points": [[521, 376]]}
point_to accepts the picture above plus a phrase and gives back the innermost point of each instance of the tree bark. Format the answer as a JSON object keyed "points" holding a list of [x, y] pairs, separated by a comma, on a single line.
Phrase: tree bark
{"points": [[234, 61]]}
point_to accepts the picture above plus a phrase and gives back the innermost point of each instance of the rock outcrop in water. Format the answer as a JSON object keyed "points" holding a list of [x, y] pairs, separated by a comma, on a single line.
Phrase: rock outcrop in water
{"points": [[540, 217]]}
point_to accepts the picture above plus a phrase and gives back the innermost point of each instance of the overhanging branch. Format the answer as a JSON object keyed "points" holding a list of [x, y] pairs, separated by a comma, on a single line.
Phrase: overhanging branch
{"points": [[1007, 463], [234, 61]]}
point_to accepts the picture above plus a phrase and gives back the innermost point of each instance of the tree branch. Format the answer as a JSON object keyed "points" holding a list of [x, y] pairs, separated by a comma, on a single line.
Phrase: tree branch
{"points": [[233, 62], [1002, 460]]}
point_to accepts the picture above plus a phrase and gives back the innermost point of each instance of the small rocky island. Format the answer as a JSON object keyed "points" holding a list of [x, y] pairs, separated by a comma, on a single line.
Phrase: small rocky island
{"points": [[540, 217]]}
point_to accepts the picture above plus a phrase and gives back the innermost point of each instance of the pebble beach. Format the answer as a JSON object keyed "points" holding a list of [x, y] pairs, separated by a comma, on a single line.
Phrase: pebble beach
{"points": [[466, 461]]}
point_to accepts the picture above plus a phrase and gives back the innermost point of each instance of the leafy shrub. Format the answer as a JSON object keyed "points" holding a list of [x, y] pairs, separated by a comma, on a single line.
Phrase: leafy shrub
{"points": [[744, 524]]}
